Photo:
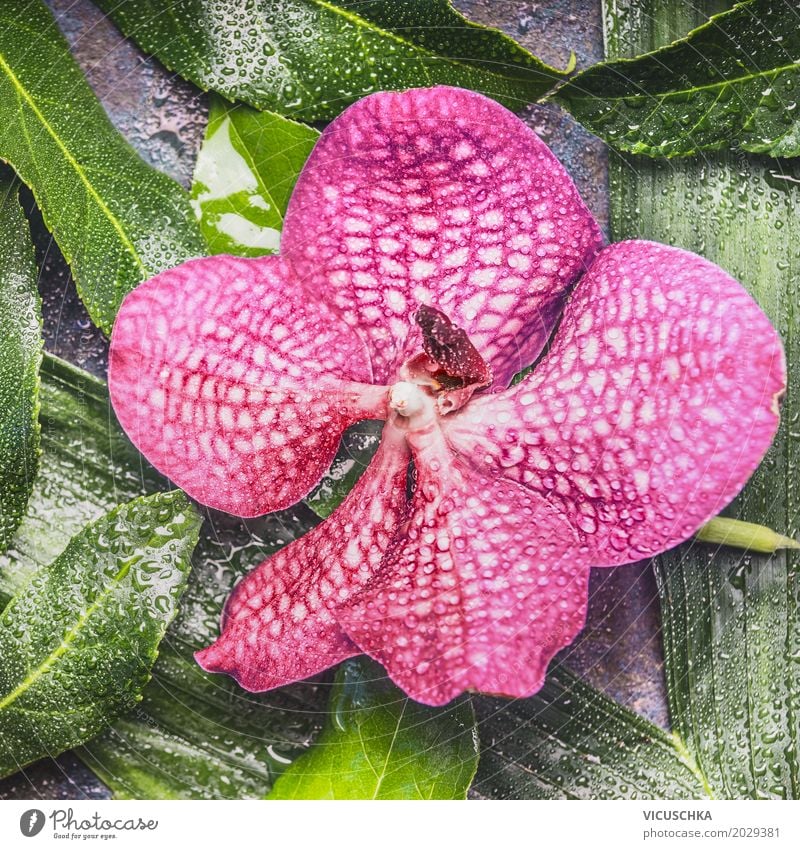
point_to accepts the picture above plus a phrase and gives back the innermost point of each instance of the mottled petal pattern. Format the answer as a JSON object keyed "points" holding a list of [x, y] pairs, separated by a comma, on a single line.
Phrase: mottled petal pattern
{"points": [[235, 383], [654, 405], [439, 196], [479, 592], [277, 626]]}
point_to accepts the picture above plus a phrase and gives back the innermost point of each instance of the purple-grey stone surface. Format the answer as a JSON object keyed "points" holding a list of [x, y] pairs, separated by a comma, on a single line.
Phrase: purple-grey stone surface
{"points": [[164, 117]]}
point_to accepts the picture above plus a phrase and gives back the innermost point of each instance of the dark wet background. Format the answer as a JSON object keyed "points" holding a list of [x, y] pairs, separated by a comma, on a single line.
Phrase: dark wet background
{"points": [[164, 118]]}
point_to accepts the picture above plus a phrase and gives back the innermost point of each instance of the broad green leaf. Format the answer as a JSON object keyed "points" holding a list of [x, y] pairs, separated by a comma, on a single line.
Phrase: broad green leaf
{"points": [[245, 173], [312, 58], [731, 622], [78, 640], [733, 82], [379, 744], [193, 735], [20, 356], [116, 220], [571, 742], [196, 736]]}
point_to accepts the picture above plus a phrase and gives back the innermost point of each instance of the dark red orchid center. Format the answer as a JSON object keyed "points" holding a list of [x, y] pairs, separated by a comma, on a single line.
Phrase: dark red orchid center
{"points": [[449, 347]]}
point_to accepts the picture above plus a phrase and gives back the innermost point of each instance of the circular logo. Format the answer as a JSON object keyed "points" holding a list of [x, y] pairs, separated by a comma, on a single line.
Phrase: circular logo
{"points": [[31, 822]]}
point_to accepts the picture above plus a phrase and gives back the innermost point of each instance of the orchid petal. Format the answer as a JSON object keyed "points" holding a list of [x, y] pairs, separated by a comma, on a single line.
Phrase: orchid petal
{"points": [[654, 405], [235, 383], [481, 588], [277, 626], [439, 196]]}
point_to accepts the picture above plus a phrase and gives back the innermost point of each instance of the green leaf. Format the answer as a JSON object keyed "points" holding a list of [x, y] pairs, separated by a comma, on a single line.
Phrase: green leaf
{"points": [[116, 220], [197, 736], [88, 467], [358, 446], [732, 641], [312, 58], [571, 742], [20, 356], [379, 744], [79, 639], [733, 82], [193, 735], [731, 621], [245, 173]]}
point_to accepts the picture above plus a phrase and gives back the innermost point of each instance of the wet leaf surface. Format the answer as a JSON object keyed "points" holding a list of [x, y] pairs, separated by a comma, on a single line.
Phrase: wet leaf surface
{"points": [[379, 744], [572, 742], [734, 82]]}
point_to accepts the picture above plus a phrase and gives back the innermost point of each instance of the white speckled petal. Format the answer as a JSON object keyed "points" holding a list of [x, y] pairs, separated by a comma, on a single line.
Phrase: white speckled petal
{"points": [[654, 405], [482, 586]]}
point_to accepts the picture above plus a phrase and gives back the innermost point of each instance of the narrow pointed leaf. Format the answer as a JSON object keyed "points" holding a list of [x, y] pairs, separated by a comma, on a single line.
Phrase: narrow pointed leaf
{"points": [[20, 356], [193, 735], [310, 59], [571, 742], [379, 744], [79, 639], [734, 82], [245, 173], [731, 619], [116, 220]]}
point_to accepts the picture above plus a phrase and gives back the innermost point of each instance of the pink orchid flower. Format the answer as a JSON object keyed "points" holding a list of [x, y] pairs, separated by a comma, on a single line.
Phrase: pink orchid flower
{"points": [[433, 248]]}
